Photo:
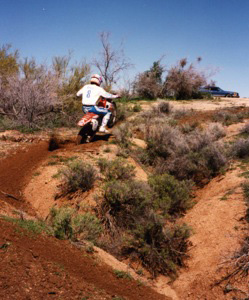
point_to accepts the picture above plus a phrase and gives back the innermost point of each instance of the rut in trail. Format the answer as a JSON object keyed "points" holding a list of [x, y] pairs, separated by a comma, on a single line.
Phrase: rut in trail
{"points": [[15, 169]]}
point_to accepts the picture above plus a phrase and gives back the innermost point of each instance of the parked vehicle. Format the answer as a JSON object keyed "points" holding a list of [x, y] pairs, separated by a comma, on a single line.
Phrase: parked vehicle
{"points": [[218, 92], [91, 122]]}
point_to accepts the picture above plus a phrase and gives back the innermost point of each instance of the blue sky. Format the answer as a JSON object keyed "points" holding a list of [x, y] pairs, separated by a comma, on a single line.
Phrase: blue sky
{"points": [[216, 30]]}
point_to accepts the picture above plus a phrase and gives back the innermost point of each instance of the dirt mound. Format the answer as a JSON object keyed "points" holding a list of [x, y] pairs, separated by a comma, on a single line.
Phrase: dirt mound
{"points": [[217, 230], [39, 267]]}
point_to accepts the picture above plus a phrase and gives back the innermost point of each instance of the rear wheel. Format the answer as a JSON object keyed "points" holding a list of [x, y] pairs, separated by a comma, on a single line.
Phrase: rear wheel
{"points": [[85, 134]]}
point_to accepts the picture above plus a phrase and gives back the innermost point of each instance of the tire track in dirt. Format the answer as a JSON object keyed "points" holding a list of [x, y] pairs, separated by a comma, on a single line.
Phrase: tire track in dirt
{"points": [[14, 172]]}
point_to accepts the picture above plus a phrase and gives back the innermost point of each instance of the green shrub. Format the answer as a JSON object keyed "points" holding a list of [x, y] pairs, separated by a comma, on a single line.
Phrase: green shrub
{"points": [[61, 222], [161, 249], [128, 207], [173, 196], [195, 165], [67, 224], [122, 274], [116, 169], [165, 141], [78, 176], [126, 201], [86, 227], [123, 152], [182, 112]]}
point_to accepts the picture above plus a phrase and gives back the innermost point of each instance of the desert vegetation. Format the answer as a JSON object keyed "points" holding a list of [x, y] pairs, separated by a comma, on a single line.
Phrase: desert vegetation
{"points": [[182, 81], [134, 214], [188, 153]]}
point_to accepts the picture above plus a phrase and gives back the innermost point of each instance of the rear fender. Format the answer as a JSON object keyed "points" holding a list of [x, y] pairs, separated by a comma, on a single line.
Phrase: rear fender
{"points": [[87, 118]]}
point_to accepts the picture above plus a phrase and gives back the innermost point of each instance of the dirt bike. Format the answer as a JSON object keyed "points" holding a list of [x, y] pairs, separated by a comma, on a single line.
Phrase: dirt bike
{"points": [[91, 122]]}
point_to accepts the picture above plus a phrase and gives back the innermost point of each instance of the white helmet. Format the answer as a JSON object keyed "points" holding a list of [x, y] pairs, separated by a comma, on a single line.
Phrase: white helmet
{"points": [[95, 78]]}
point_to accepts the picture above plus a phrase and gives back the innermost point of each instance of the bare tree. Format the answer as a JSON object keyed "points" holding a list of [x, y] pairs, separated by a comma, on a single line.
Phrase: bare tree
{"points": [[111, 62]]}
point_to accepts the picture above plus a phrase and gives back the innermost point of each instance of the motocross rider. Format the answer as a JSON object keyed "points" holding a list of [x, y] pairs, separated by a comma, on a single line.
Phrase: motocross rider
{"points": [[91, 95]]}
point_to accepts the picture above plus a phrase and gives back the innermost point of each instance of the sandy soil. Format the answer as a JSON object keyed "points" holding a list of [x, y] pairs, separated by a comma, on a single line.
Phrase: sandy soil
{"points": [[215, 220], [211, 104]]}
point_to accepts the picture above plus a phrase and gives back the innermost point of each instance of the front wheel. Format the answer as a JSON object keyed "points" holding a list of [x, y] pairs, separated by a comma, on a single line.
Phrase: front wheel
{"points": [[113, 117]]}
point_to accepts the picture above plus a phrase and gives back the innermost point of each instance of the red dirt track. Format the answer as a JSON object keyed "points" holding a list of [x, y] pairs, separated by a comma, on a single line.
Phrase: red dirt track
{"points": [[15, 169], [41, 267]]}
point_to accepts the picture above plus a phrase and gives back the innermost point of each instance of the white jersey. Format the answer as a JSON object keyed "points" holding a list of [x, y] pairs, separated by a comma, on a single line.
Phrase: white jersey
{"points": [[91, 94]]}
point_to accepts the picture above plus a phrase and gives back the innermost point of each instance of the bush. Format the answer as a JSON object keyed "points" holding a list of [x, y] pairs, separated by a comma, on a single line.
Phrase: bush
{"points": [[148, 84], [240, 148], [116, 169], [216, 131], [122, 274], [61, 222], [164, 141], [196, 165], [86, 227], [123, 135], [78, 176], [122, 112], [128, 214], [67, 224], [127, 201], [193, 155], [158, 111], [227, 117], [164, 107], [182, 112], [28, 100], [173, 196], [161, 249], [183, 82]]}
